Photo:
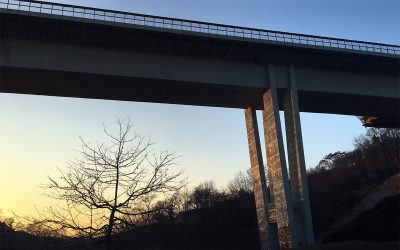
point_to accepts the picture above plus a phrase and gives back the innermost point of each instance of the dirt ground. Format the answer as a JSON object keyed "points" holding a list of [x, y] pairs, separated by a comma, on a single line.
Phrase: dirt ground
{"points": [[355, 245]]}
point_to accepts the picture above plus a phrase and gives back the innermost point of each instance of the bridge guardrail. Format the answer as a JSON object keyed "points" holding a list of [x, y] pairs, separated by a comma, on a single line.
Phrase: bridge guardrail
{"points": [[195, 26]]}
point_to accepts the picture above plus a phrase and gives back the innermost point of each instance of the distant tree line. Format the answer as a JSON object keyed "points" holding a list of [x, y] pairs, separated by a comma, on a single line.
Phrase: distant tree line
{"points": [[342, 179], [202, 218], [197, 218], [205, 217]]}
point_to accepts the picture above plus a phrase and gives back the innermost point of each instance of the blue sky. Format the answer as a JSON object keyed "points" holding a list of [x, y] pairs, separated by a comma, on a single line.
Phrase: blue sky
{"points": [[39, 133]]}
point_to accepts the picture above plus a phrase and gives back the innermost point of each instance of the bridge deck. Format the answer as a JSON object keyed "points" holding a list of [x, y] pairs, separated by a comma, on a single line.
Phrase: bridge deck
{"points": [[174, 24], [238, 53]]}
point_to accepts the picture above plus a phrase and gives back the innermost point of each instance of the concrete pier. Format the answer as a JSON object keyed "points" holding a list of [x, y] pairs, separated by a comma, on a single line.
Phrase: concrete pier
{"points": [[258, 175], [284, 216], [297, 168], [276, 164]]}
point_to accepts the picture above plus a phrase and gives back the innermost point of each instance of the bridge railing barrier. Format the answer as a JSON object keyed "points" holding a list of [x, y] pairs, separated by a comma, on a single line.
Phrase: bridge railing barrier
{"points": [[195, 26]]}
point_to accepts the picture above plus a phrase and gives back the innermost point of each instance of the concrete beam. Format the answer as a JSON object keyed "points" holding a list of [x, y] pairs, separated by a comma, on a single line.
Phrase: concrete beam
{"points": [[347, 82], [133, 64], [38, 55], [61, 69]]}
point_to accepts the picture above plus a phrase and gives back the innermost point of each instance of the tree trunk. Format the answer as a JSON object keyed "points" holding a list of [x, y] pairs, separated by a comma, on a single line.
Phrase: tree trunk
{"points": [[109, 230]]}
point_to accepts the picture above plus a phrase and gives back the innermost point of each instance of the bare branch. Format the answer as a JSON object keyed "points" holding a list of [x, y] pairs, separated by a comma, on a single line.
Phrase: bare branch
{"points": [[109, 184]]}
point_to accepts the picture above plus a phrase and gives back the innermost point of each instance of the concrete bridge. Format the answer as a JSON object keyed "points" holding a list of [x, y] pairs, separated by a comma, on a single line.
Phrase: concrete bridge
{"points": [[64, 50]]}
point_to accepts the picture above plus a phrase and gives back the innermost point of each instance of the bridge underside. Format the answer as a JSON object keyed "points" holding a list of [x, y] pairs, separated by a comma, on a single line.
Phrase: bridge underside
{"points": [[244, 88], [81, 85]]}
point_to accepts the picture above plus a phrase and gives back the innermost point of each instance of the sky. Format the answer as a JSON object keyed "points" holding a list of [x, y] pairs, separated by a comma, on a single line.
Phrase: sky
{"points": [[38, 134]]}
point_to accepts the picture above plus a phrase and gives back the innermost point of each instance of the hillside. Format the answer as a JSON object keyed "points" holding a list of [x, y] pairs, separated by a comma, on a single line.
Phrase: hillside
{"points": [[381, 204]]}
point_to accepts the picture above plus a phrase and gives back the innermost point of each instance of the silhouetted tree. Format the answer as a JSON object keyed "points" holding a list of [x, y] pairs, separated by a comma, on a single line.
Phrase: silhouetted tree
{"points": [[206, 195], [109, 184], [340, 178], [241, 182], [380, 152]]}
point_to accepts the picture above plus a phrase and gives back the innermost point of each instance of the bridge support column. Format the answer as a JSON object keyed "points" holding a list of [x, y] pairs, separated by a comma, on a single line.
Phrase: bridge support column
{"points": [[297, 169], [276, 162], [284, 214], [258, 174]]}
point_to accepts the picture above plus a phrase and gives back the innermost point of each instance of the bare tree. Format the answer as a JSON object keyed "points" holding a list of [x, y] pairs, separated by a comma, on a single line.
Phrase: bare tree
{"points": [[206, 195], [241, 182], [109, 184]]}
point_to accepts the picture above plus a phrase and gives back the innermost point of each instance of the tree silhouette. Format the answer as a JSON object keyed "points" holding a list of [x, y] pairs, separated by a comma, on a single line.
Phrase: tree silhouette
{"points": [[241, 182], [106, 187]]}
